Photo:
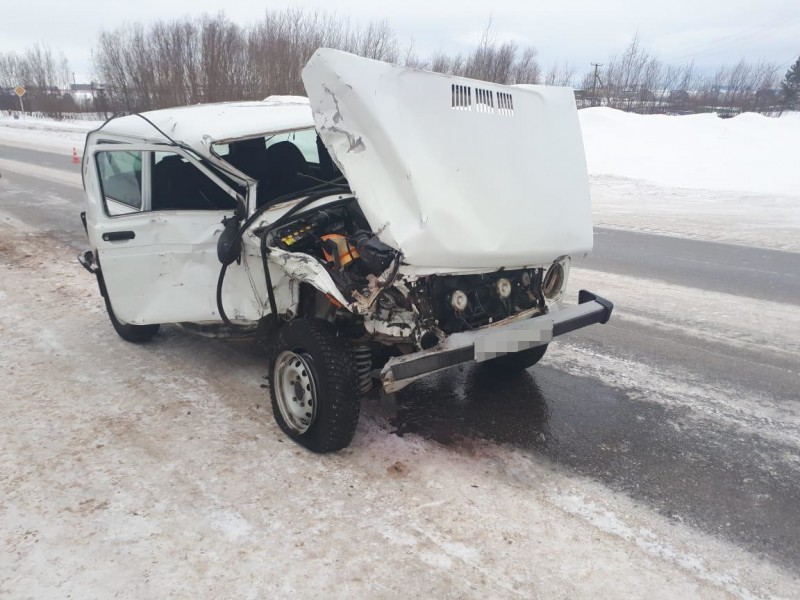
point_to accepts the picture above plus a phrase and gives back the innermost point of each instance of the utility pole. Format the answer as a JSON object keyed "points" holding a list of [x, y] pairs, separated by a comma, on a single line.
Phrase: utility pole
{"points": [[594, 83]]}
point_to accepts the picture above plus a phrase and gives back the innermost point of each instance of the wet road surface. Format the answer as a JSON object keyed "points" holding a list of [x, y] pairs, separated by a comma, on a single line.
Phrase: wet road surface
{"points": [[731, 481]]}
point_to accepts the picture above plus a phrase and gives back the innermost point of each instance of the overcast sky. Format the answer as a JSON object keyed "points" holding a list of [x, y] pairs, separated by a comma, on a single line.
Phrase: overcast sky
{"points": [[578, 31]]}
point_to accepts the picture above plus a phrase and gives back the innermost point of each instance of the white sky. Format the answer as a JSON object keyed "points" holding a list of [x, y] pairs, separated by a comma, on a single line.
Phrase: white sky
{"points": [[578, 31]]}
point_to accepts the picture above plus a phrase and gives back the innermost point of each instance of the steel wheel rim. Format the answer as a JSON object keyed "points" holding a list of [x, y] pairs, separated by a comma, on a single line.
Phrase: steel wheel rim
{"points": [[295, 390]]}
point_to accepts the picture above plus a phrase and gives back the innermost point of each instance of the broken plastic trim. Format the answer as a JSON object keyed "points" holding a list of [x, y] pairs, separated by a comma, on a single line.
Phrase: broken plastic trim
{"points": [[263, 232]]}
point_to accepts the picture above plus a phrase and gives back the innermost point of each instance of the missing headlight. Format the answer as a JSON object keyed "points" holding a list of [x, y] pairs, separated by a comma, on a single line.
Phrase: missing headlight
{"points": [[553, 281]]}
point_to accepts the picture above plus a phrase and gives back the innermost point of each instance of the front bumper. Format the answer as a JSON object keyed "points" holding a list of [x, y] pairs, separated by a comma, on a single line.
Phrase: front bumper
{"points": [[496, 340]]}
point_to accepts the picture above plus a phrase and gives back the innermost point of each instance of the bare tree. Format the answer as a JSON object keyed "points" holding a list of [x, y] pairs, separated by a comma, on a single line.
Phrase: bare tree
{"points": [[43, 73], [210, 58], [562, 74]]}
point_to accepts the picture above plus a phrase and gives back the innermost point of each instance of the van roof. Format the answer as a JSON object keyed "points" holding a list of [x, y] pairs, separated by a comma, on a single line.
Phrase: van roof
{"points": [[200, 125]]}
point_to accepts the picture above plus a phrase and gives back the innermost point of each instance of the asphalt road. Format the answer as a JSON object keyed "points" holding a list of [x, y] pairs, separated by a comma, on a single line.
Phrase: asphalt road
{"points": [[735, 483]]}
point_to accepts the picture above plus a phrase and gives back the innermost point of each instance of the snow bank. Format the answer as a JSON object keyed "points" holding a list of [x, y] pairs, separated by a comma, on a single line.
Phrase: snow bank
{"points": [[748, 153], [45, 134]]}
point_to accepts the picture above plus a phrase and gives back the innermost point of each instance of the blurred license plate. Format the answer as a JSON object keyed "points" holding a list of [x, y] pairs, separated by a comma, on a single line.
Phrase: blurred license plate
{"points": [[515, 337]]}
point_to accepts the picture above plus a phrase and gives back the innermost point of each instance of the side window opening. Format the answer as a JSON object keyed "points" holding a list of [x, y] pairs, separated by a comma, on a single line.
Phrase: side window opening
{"points": [[304, 139], [174, 183], [121, 180], [178, 185], [282, 163]]}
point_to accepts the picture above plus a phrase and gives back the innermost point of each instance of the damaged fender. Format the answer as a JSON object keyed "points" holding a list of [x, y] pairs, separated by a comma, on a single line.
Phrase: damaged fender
{"points": [[305, 268]]}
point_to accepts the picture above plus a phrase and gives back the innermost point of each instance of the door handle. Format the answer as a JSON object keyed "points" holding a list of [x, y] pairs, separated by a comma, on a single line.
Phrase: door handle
{"points": [[116, 236]]}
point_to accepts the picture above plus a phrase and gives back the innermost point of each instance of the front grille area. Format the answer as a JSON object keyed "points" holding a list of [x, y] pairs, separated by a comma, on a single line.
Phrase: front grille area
{"points": [[434, 297]]}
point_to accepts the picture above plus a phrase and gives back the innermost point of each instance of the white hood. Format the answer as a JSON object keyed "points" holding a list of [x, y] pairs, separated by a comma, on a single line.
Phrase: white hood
{"points": [[458, 174]]}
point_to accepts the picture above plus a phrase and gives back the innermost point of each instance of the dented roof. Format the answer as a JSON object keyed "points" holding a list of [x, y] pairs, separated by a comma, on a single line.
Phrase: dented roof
{"points": [[200, 124]]}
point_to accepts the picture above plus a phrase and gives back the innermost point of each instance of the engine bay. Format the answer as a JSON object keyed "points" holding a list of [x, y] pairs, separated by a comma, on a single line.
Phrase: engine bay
{"points": [[339, 237], [419, 310]]}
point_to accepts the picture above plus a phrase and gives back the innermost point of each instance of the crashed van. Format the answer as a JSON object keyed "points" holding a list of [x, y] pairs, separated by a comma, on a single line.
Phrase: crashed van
{"points": [[394, 223]]}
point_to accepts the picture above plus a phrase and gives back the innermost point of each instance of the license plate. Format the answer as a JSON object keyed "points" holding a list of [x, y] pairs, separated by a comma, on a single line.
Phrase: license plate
{"points": [[512, 338]]}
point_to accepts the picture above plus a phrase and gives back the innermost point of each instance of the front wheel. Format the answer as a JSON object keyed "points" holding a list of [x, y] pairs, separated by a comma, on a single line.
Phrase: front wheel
{"points": [[314, 386]]}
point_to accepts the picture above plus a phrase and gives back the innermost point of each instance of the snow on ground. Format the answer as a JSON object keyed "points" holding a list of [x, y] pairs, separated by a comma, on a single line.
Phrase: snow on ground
{"points": [[747, 153], [70, 178], [45, 134], [156, 471], [730, 180], [748, 218], [770, 329]]}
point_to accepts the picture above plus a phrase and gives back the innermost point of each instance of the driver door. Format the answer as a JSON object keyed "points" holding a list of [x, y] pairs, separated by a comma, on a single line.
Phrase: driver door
{"points": [[154, 221]]}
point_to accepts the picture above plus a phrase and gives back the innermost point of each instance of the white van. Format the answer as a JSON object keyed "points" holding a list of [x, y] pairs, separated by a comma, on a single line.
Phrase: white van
{"points": [[394, 223]]}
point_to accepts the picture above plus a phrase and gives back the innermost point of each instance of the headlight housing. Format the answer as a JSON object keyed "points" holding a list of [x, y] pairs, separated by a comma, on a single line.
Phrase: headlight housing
{"points": [[553, 281], [459, 301], [503, 287]]}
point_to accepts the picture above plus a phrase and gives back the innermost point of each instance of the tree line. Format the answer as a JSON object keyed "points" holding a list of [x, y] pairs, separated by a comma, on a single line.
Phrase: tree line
{"points": [[211, 59], [636, 80]]}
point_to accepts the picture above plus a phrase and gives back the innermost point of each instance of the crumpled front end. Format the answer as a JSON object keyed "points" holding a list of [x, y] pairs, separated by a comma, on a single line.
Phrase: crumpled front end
{"points": [[423, 322], [332, 248]]}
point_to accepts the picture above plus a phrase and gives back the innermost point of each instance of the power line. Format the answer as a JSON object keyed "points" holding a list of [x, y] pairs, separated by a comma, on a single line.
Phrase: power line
{"points": [[740, 38], [791, 60], [735, 37]]}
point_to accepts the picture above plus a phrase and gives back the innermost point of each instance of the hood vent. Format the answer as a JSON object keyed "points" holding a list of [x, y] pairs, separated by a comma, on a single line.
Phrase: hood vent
{"points": [[462, 97], [485, 101], [505, 104]]}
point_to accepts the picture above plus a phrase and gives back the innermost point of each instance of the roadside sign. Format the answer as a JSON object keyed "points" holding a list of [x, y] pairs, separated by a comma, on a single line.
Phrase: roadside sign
{"points": [[20, 92]]}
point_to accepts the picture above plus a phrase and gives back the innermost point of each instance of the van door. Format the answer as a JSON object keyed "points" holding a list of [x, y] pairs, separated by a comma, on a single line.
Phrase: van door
{"points": [[157, 216]]}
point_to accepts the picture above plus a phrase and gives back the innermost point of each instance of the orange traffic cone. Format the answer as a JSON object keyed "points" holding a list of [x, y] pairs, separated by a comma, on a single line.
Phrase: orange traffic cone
{"points": [[75, 159]]}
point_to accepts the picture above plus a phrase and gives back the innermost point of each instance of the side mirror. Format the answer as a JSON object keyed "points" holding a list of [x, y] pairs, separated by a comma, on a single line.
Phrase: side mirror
{"points": [[229, 244]]}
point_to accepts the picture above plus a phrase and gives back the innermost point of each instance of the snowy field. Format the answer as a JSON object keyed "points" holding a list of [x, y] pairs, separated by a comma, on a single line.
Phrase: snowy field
{"points": [[728, 180]]}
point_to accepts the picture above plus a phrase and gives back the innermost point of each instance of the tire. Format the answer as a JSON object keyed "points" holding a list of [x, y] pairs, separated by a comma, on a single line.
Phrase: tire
{"points": [[516, 362], [131, 333], [313, 385]]}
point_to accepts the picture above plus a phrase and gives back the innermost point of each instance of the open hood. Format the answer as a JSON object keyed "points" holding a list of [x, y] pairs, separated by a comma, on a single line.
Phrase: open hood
{"points": [[458, 174]]}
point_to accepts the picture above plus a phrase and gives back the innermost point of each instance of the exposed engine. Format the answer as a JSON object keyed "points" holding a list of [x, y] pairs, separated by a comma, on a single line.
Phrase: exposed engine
{"points": [[419, 310], [339, 236]]}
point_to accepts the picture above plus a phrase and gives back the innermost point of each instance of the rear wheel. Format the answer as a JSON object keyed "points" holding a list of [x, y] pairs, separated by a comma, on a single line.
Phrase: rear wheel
{"points": [[131, 333], [314, 386], [516, 362]]}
